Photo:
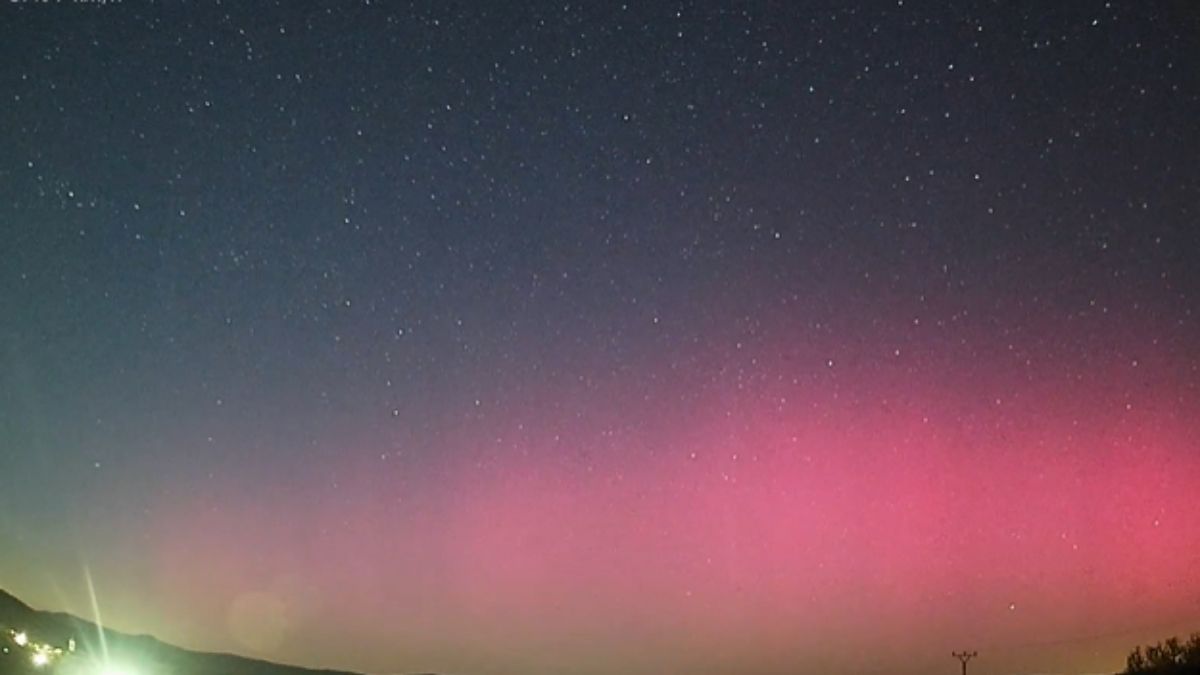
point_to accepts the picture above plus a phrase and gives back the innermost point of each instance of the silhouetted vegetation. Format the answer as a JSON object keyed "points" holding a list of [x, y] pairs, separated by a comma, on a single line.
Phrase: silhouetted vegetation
{"points": [[1170, 657]]}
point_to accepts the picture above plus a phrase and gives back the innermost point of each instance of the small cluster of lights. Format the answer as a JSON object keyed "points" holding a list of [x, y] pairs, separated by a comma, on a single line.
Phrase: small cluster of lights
{"points": [[40, 654], [43, 655]]}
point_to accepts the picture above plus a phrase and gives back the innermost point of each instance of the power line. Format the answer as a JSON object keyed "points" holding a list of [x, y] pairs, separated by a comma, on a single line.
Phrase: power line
{"points": [[964, 657]]}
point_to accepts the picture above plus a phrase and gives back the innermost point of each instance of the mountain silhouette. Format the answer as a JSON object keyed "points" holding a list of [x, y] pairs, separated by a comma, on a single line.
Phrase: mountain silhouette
{"points": [[56, 632]]}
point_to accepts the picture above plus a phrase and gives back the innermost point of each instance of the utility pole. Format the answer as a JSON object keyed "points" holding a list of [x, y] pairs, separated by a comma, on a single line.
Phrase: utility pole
{"points": [[964, 657]]}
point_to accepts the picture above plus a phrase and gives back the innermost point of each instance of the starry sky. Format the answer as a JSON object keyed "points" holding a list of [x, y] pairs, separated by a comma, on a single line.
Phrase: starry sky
{"points": [[596, 338]]}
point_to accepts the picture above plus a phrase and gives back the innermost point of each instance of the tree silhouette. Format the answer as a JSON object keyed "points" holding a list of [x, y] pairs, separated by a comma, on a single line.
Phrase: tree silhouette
{"points": [[1170, 657]]}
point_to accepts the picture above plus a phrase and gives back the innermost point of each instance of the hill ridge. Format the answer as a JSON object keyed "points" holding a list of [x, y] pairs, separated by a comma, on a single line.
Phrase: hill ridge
{"points": [[57, 629]]}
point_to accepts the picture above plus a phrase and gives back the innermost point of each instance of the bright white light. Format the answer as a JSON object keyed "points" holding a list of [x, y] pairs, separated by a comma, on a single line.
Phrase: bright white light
{"points": [[116, 670], [21, 639], [40, 659]]}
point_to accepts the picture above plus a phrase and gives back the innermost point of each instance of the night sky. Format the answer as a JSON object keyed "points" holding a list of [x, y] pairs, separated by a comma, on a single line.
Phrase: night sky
{"points": [[589, 338]]}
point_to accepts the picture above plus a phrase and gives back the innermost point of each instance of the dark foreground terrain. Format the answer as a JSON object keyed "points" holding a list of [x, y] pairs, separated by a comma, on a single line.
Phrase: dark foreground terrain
{"points": [[26, 632]]}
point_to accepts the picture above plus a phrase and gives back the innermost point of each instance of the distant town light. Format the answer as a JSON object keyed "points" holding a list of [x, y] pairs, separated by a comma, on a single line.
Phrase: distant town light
{"points": [[40, 659], [21, 639]]}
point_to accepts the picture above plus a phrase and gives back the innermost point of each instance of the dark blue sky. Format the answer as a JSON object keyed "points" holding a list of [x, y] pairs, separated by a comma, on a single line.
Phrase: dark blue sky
{"points": [[260, 246]]}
